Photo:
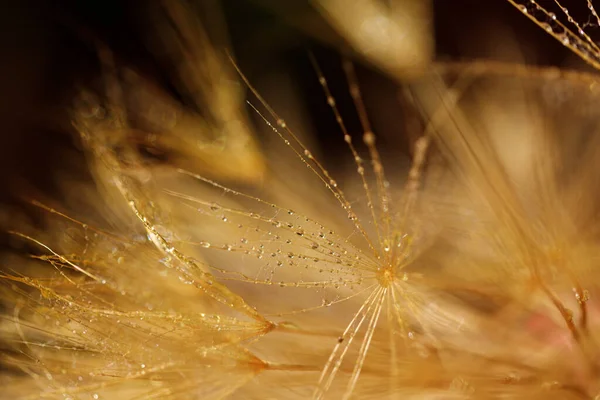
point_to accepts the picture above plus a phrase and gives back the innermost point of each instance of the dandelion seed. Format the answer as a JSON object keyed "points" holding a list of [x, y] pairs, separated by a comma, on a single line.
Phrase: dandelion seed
{"points": [[375, 289]]}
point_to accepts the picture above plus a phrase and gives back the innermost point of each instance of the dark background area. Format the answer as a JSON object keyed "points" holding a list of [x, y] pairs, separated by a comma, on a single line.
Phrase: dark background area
{"points": [[46, 54]]}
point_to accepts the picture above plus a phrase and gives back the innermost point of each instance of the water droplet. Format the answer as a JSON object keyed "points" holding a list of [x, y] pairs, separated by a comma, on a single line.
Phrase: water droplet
{"points": [[586, 296], [551, 385], [568, 314]]}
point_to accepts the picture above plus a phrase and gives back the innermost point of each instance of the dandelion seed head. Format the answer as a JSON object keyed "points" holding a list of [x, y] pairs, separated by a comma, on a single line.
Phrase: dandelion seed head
{"points": [[379, 280]]}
